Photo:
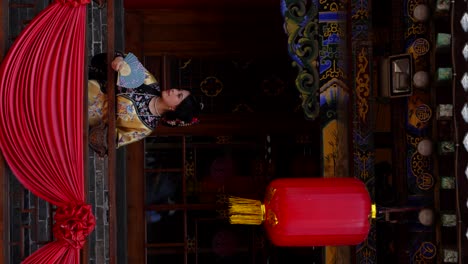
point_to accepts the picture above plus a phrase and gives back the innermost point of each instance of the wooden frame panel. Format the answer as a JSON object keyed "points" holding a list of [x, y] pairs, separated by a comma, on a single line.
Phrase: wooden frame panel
{"points": [[134, 159], [111, 155], [4, 223], [3, 177]]}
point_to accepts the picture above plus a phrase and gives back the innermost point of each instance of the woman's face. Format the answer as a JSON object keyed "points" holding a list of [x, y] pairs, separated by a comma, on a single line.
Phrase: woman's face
{"points": [[173, 97]]}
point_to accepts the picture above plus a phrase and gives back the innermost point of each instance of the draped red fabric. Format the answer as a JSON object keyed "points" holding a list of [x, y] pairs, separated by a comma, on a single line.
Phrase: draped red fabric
{"points": [[42, 82]]}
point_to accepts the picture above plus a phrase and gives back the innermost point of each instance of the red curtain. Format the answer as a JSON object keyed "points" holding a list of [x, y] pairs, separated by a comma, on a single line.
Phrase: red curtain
{"points": [[42, 82]]}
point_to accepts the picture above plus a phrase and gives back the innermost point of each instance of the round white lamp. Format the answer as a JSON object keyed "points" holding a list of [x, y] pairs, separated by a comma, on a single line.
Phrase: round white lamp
{"points": [[425, 147], [426, 217], [421, 79], [421, 13]]}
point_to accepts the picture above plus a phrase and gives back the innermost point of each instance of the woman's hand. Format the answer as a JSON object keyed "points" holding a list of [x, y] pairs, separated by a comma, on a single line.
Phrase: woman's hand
{"points": [[117, 63]]}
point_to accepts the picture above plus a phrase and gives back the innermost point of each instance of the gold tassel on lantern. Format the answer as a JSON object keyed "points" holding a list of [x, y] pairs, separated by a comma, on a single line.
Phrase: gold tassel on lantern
{"points": [[245, 211]]}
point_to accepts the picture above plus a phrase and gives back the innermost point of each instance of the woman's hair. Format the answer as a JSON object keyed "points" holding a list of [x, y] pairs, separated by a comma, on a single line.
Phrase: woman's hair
{"points": [[186, 113]]}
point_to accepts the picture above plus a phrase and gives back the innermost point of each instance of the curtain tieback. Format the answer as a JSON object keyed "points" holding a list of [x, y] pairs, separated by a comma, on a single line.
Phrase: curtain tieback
{"points": [[73, 224]]}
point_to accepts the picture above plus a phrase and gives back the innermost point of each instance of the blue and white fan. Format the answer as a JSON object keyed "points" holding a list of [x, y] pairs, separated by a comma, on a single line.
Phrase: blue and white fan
{"points": [[132, 73]]}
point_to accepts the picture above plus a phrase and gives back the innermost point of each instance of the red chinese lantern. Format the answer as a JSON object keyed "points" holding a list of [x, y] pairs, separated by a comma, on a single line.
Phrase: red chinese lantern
{"points": [[309, 211]]}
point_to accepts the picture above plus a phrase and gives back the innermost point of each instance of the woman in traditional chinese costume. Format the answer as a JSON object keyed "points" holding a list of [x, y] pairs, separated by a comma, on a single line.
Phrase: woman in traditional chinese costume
{"points": [[139, 110]]}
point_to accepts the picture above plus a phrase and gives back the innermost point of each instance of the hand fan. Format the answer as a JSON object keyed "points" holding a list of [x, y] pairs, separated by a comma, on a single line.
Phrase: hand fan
{"points": [[132, 73]]}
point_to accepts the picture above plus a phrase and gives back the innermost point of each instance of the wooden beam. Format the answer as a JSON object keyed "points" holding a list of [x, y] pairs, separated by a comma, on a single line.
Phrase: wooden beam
{"points": [[199, 4], [136, 251], [134, 162], [210, 32], [111, 157]]}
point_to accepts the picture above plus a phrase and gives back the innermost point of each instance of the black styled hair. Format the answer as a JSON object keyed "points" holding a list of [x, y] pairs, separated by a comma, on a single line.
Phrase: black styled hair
{"points": [[186, 112]]}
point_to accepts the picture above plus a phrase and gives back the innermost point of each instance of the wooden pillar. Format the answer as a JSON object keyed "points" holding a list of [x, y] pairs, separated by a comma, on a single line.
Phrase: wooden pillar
{"points": [[111, 157], [317, 38], [136, 229], [334, 89], [335, 114], [363, 151], [459, 40]]}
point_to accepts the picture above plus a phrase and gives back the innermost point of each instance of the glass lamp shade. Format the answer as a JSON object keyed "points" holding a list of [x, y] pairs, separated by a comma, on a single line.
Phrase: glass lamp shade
{"points": [[421, 13], [421, 79], [425, 147]]}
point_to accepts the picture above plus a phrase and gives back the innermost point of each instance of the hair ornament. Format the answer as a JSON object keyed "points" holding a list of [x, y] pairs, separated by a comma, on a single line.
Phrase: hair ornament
{"points": [[180, 123]]}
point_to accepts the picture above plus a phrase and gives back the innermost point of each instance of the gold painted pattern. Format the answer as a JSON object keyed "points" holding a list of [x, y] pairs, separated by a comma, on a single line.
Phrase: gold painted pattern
{"points": [[334, 28], [425, 253], [416, 29], [419, 164], [414, 141], [419, 48], [333, 72], [189, 169], [425, 181], [364, 158], [361, 14], [362, 85], [423, 113], [211, 86], [332, 6]]}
